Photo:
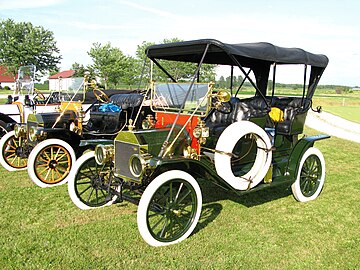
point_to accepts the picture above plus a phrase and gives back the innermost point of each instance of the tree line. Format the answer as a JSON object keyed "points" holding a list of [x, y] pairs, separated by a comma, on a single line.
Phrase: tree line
{"points": [[24, 44]]}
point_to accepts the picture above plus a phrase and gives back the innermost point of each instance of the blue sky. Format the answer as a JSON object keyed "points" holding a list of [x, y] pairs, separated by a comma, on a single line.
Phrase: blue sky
{"points": [[327, 27]]}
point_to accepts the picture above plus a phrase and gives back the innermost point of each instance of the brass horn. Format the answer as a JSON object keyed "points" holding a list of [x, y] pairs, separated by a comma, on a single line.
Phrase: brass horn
{"points": [[222, 96]]}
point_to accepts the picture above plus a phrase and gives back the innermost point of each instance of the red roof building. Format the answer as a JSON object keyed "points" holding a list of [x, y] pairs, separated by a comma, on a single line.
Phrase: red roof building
{"points": [[6, 77], [62, 80], [63, 74]]}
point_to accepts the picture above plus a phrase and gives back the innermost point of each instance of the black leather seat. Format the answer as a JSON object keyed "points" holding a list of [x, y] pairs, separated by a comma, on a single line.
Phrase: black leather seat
{"points": [[246, 109], [295, 113], [109, 122], [127, 100]]}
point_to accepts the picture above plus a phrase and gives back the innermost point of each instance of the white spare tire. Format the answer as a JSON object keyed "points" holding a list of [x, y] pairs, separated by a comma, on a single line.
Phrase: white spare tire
{"points": [[225, 145]]}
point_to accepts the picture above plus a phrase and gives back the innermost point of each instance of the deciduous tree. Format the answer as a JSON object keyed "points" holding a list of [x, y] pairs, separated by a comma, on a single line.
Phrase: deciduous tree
{"points": [[110, 64], [24, 44]]}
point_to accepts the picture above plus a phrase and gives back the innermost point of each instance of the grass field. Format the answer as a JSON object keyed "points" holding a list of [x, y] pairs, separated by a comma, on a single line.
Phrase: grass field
{"points": [[42, 229]]}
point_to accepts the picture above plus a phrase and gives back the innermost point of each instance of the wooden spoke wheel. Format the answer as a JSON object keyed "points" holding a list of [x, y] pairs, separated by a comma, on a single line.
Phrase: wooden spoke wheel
{"points": [[89, 184], [169, 208], [311, 176], [50, 162], [13, 155]]}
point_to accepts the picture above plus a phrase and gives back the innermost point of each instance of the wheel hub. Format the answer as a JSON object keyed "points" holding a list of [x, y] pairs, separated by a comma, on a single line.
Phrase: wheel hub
{"points": [[172, 210], [96, 181], [19, 151], [52, 164]]}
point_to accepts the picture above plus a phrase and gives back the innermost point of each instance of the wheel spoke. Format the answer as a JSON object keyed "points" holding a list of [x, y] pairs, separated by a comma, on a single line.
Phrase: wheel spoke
{"points": [[83, 183], [91, 192], [164, 227], [184, 197], [82, 192], [178, 193]]}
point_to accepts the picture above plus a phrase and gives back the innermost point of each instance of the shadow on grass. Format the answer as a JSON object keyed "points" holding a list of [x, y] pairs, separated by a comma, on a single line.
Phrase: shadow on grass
{"points": [[212, 194]]}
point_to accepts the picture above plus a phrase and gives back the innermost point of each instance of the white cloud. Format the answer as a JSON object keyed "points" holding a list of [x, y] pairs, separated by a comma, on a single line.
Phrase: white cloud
{"points": [[27, 4], [151, 10], [95, 26]]}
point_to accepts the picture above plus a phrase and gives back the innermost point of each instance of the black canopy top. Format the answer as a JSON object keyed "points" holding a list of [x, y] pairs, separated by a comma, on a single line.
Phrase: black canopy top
{"points": [[248, 54]]}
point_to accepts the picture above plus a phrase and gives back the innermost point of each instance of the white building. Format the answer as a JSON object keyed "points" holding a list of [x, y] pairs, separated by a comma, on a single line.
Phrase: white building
{"points": [[7, 80], [62, 80]]}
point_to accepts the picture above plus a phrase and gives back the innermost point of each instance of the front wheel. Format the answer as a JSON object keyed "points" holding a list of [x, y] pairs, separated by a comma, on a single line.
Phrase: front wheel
{"points": [[13, 156], [50, 163], [3, 128], [169, 208], [311, 176], [89, 184]]}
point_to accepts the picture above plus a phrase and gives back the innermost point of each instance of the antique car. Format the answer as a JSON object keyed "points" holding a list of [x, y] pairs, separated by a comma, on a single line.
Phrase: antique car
{"points": [[24, 100], [14, 146], [58, 144], [48, 143], [199, 133]]}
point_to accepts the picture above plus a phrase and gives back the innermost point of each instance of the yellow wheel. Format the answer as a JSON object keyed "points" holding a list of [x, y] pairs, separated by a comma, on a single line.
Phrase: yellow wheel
{"points": [[50, 163], [13, 155]]}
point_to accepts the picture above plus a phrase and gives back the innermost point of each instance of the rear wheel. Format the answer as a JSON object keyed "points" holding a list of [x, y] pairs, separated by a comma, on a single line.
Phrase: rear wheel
{"points": [[169, 208], [12, 155], [50, 163], [89, 183], [311, 176]]}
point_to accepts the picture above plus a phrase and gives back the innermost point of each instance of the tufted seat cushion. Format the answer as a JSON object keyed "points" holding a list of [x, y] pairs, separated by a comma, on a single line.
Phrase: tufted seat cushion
{"points": [[127, 100], [246, 109], [294, 117]]}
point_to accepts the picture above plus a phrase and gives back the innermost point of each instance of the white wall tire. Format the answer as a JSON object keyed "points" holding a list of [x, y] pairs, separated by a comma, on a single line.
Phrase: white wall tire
{"points": [[310, 177], [80, 177], [226, 143], [3, 128], [8, 153], [181, 205], [50, 162]]}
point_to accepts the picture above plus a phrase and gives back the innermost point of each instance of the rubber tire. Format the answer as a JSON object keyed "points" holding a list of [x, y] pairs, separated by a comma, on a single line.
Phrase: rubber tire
{"points": [[226, 143], [3, 128], [298, 195], [147, 196], [71, 183], [37, 149], [3, 140]]}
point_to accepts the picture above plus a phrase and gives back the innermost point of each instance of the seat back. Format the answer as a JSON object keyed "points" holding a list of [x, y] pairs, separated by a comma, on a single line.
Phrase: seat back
{"points": [[127, 100]]}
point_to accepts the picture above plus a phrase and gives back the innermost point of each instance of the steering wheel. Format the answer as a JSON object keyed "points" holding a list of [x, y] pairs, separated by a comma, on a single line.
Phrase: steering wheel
{"points": [[224, 107], [101, 96], [39, 94]]}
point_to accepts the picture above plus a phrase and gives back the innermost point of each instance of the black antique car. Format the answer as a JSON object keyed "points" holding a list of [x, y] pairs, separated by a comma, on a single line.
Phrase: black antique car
{"points": [[240, 144], [49, 143], [24, 100]]}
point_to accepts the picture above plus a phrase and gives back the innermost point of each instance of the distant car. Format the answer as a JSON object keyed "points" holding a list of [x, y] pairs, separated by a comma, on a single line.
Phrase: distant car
{"points": [[240, 144], [56, 146], [48, 144], [15, 146], [25, 100]]}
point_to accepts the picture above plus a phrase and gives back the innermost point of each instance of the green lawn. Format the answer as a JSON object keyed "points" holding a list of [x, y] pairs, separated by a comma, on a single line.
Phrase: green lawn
{"points": [[42, 229], [351, 113]]}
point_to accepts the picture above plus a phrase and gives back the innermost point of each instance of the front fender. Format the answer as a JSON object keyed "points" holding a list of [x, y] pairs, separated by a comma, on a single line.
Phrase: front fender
{"points": [[63, 134], [7, 119], [298, 151]]}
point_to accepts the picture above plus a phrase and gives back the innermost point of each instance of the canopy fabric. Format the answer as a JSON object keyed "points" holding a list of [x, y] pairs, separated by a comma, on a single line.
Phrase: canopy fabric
{"points": [[248, 54]]}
